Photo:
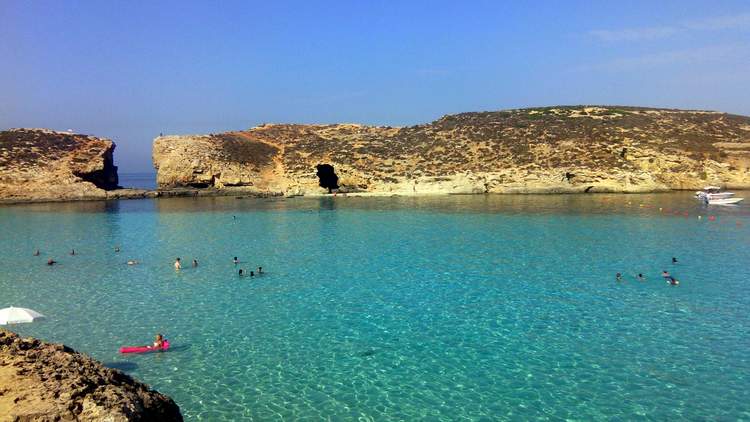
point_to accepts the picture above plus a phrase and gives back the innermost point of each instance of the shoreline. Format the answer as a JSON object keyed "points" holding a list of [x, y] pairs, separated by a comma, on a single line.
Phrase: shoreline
{"points": [[241, 193]]}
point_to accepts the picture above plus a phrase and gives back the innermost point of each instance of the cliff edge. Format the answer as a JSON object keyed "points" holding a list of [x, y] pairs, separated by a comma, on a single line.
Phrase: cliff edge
{"points": [[48, 382], [536, 150], [40, 164]]}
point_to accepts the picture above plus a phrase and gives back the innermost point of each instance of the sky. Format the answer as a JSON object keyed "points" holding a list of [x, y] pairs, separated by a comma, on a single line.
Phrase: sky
{"points": [[130, 70]]}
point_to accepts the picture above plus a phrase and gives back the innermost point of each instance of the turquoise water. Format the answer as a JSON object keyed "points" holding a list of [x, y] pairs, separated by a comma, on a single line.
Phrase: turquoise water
{"points": [[445, 308]]}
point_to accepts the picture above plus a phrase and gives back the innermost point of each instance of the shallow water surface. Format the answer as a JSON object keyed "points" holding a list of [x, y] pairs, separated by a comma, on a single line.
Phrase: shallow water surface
{"points": [[440, 308]]}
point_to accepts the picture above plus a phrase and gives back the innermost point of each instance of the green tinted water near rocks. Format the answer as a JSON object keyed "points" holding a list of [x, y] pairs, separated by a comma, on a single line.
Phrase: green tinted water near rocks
{"points": [[440, 308]]}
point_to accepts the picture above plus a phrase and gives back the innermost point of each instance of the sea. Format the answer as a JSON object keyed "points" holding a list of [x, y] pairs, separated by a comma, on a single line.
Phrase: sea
{"points": [[440, 308]]}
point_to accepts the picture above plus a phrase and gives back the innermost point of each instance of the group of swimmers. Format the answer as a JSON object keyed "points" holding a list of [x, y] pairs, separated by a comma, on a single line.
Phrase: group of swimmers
{"points": [[178, 263], [243, 273], [51, 261], [665, 275], [235, 260]]}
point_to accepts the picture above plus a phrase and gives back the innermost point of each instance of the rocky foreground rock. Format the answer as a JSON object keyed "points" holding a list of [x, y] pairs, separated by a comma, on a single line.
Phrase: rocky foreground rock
{"points": [[537, 150], [51, 382], [40, 164]]}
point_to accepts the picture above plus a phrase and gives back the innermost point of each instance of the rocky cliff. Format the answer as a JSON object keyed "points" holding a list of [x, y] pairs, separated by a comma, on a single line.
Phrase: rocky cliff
{"points": [[50, 382], [551, 149], [40, 164]]}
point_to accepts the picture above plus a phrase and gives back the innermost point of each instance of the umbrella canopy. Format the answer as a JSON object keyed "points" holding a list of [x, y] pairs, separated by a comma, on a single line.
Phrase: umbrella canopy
{"points": [[18, 315]]}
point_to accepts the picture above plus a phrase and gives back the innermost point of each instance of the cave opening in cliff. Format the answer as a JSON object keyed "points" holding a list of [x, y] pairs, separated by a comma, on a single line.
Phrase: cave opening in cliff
{"points": [[105, 178], [327, 177]]}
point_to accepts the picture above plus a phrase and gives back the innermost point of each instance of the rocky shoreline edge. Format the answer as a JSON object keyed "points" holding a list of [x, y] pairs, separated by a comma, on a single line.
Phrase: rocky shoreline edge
{"points": [[41, 381], [250, 193]]}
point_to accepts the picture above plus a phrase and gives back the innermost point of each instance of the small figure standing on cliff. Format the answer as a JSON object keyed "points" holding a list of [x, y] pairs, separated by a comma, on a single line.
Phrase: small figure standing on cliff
{"points": [[177, 264]]}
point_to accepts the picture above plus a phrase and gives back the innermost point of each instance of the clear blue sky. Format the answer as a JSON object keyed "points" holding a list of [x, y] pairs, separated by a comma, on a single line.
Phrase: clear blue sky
{"points": [[129, 70]]}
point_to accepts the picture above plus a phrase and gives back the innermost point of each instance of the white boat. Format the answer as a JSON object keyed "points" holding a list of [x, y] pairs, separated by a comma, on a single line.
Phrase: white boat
{"points": [[712, 195]]}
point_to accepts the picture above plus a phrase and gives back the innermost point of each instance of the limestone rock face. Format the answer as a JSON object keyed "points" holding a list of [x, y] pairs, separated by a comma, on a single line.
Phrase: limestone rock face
{"points": [[40, 164], [541, 150], [49, 382]]}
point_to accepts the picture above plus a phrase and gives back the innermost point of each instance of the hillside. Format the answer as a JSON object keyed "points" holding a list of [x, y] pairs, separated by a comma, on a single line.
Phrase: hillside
{"points": [[40, 164], [538, 150]]}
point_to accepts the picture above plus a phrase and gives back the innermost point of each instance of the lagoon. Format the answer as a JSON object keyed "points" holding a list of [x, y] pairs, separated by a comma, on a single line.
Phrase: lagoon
{"points": [[443, 308]]}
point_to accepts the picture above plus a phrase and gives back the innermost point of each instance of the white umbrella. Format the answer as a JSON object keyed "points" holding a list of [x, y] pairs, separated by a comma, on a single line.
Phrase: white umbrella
{"points": [[18, 315]]}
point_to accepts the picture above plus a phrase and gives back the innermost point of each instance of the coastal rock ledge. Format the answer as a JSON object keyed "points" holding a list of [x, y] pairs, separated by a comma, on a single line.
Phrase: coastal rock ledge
{"points": [[42, 165], [51, 382], [561, 149]]}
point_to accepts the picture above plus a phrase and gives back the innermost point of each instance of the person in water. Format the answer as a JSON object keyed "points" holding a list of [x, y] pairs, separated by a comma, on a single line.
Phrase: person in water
{"points": [[671, 280], [252, 274], [158, 342], [260, 270], [117, 249], [51, 262], [72, 251], [618, 277], [674, 260], [235, 260], [640, 277], [132, 262], [177, 264], [195, 263], [36, 252], [665, 274]]}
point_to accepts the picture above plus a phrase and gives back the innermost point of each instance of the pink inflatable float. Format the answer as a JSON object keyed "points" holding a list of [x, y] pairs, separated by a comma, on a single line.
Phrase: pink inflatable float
{"points": [[144, 349]]}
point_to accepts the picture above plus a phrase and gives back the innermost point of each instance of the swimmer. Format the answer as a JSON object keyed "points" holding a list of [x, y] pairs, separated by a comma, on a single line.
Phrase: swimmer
{"points": [[640, 277], [665, 274], [195, 263], [260, 270], [618, 277], [117, 249], [177, 264], [674, 260], [72, 251], [241, 272], [132, 262], [235, 260], [36, 252], [671, 280], [158, 342], [252, 274], [51, 262]]}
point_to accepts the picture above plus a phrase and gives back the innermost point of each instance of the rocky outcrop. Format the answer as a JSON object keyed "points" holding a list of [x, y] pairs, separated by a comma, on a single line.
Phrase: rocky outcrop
{"points": [[40, 164], [539, 150], [50, 382]]}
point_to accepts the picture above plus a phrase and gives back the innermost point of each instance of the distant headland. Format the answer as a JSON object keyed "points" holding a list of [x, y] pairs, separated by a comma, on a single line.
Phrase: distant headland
{"points": [[562, 149]]}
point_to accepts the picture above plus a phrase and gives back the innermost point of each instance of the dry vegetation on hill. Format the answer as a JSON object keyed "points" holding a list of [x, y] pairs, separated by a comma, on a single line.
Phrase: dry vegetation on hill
{"points": [[550, 149]]}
